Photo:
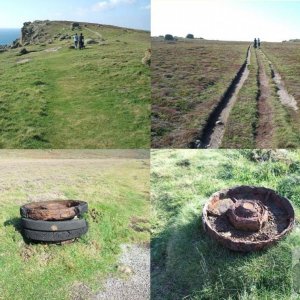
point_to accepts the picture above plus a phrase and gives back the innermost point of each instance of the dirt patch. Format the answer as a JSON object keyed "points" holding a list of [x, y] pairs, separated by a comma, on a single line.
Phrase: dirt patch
{"points": [[81, 291], [95, 32], [265, 130], [52, 49], [140, 224], [27, 252], [95, 215], [23, 61]]}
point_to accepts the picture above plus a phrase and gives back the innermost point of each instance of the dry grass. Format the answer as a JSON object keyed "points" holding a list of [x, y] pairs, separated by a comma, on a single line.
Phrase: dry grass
{"points": [[188, 80]]}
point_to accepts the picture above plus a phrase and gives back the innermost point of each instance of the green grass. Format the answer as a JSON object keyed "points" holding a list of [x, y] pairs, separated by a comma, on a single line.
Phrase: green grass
{"points": [[95, 98], [241, 125], [186, 263], [116, 190]]}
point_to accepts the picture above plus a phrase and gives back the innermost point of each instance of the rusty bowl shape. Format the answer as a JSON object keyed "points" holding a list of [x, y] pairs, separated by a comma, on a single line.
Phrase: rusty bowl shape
{"points": [[54, 210], [248, 215], [222, 215]]}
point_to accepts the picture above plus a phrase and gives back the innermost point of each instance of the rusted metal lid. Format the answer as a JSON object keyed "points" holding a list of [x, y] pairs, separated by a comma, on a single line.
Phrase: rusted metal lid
{"points": [[247, 218], [53, 210]]}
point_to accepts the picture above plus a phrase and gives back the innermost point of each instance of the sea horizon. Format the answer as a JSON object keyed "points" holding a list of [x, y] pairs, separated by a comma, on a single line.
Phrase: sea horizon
{"points": [[8, 35]]}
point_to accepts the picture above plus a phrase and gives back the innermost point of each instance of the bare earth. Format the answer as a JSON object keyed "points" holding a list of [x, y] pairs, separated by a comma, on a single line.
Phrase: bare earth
{"points": [[218, 132]]}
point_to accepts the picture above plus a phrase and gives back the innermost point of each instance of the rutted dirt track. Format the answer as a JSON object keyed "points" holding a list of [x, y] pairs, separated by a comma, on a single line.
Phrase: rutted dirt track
{"points": [[213, 132], [217, 133], [265, 128]]}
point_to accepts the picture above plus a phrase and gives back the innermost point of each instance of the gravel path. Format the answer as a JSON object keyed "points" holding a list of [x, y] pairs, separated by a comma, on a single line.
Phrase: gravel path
{"points": [[135, 262]]}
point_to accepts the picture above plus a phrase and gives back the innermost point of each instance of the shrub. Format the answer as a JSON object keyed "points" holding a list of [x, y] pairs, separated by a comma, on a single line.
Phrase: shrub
{"points": [[190, 36], [169, 37]]}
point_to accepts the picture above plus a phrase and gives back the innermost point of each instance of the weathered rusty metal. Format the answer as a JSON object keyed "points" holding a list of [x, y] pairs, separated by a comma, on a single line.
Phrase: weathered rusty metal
{"points": [[248, 215], [247, 218], [53, 210]]}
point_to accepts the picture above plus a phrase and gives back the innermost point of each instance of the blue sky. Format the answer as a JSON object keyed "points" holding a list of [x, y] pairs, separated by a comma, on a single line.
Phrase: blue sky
{"points": [[272, 20], [125, 13]]}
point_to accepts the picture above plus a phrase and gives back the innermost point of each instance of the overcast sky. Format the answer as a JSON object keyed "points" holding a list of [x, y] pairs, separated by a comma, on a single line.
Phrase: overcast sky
{"points": [[125, 13], [242, 20]]}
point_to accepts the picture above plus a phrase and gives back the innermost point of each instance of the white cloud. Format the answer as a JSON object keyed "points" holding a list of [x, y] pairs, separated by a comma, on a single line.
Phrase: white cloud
{"points": [[109, 4]]}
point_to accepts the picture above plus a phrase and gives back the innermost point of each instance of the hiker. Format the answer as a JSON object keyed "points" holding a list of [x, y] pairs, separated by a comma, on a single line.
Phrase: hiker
{"points": [[255, 43], [81, 41], [76, 41], [258, 43]]}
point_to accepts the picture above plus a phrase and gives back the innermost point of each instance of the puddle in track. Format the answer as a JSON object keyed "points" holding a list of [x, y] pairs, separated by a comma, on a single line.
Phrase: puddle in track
{"points": [[285, 98], [217, 134]]}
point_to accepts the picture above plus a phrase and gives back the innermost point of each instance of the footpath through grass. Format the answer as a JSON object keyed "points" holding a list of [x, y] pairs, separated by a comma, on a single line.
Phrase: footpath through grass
{"points": [[242, 122], [285, 58], [117, 192], [186, 263], [244, 119], [188, 80], [56, 97]]}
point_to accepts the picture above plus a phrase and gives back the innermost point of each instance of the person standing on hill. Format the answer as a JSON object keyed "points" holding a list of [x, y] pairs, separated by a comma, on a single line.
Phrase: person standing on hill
{"points": [[81, 41], [255, 43], [258, 43], [76, 41]]}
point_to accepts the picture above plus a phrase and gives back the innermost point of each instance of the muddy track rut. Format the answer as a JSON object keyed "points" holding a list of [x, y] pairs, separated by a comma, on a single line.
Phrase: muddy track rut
{"points": [[213, 132], [265, 128]]}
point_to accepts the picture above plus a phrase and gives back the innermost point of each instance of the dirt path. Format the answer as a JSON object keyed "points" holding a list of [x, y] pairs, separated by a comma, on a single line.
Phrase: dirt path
{"points": [[95, 32], [285, 98], [265, 129], [214, 131], [264, 136]]}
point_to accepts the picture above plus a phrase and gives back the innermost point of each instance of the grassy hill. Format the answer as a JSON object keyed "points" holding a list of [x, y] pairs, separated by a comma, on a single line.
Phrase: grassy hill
{"points": [[57, 97]]}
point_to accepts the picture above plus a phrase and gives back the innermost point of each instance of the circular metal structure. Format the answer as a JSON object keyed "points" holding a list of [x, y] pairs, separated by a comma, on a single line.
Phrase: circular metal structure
{"points": [[54, 210], [248, 215], [247, 218]]}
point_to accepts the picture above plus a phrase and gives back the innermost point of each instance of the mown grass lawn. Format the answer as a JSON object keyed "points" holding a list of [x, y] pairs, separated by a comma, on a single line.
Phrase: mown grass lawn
{"points": [[116, 188], [186, 263], [56, 97]]}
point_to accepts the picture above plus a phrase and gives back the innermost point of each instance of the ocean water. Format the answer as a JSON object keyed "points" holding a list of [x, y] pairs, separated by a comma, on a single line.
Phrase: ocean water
{"points": [[7, 36]]}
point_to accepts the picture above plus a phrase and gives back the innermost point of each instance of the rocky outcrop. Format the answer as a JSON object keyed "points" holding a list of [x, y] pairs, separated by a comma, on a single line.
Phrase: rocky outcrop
{"points": [[146, 60], [34, 32], [75, 25], [16, 44]]}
